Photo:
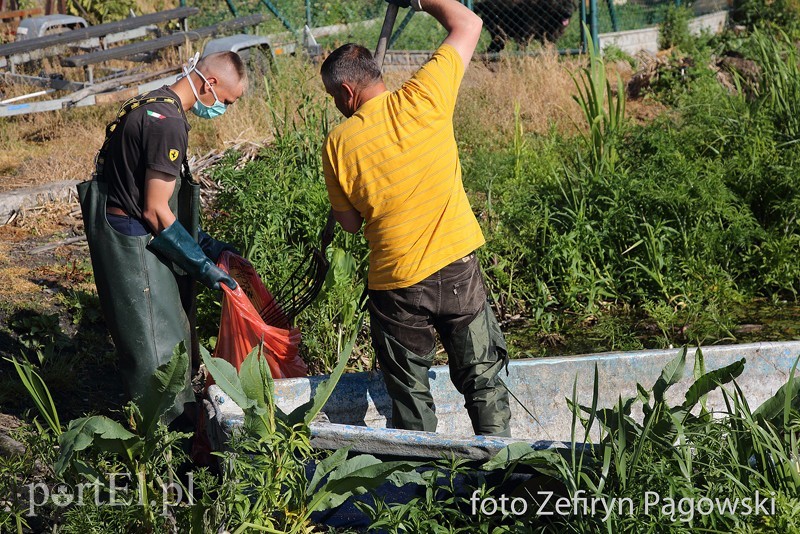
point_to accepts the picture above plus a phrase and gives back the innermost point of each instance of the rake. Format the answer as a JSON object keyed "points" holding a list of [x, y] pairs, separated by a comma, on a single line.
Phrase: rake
{"points": [[305, 283]]}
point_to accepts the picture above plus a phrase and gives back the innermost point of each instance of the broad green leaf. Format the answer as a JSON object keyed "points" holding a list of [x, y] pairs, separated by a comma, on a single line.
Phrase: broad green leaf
{"points": [[544, 461], [81, 435], [642, 393], [326, 466], [699, 364], [670, 375], [251, 379], [401, 478], [163, 386], [773, 409], [511, 454], [710, 381], [226, 378], [356, 476], [88, 471], [343, 265]]}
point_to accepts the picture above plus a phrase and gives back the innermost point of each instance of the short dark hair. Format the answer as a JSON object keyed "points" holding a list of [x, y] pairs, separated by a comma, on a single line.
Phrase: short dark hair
{"points": [[350, 63], [227, 62]]}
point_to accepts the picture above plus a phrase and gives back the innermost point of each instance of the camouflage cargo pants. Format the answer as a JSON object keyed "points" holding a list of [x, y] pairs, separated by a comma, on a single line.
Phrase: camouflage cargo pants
{"points": [[451, 302]]}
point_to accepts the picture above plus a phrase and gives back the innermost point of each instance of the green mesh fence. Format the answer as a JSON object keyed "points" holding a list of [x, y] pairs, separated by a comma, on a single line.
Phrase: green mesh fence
{"points": [[623, 15], [510, 26]]}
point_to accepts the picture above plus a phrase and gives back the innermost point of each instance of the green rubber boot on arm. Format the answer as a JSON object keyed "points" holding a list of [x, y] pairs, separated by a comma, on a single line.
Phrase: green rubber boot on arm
{"points": [[175, 244]]}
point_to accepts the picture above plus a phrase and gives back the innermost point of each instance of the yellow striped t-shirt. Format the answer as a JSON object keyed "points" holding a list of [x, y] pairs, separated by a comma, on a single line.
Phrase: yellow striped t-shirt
{"points": [[396, 162]]}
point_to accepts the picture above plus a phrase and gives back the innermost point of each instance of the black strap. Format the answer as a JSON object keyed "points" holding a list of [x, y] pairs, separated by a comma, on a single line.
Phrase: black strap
{"points": [[130, 105]]}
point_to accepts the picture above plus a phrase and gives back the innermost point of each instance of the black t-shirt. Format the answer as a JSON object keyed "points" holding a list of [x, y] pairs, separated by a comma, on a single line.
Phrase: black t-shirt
{"points": [[152, 136]]}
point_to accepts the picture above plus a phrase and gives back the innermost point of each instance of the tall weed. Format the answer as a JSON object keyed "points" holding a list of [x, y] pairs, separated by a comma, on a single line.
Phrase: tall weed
{"points": [[274, 209]]}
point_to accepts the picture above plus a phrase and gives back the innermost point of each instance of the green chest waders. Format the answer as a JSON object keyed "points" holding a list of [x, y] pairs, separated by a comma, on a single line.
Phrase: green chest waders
{"points": [[148, 303]]}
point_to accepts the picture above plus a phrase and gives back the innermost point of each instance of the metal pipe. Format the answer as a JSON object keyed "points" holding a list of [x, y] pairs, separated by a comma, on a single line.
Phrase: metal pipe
{"points": [[612, 11], [278, 14], [386, 33], [25, 97], [401, 27], [231, 8], [584, 25]]}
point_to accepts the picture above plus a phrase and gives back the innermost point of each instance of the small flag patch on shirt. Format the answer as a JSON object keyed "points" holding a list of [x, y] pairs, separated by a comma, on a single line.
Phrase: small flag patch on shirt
{"points": [[156, 115]]}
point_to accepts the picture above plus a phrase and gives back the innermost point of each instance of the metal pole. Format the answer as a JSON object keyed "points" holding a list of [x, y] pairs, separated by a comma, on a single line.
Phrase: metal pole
{"points": [[231, 8], [386, 33], [612, 11], [584, 24], [594, 24], [401, 27], [277, 13], [308, 13]]}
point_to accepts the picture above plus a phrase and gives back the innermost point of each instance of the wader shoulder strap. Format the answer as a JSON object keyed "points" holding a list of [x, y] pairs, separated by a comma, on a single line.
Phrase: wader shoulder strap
{"points": [[127, 107]]}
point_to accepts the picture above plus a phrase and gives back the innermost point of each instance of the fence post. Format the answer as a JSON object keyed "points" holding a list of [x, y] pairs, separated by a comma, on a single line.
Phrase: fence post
{"points": [[400, 28], [612, 11], [278, 14], [594, 25], [584, 25], [308, 13], [231, 8]]}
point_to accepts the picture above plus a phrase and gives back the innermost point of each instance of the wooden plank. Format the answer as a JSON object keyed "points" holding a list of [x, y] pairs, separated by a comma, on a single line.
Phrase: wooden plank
{"points": [[175, 39], [20, 13], [83, 34], [116, 82]]}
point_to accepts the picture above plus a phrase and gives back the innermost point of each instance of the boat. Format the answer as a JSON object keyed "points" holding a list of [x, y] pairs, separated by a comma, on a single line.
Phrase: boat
{"points": [[358, 413]]}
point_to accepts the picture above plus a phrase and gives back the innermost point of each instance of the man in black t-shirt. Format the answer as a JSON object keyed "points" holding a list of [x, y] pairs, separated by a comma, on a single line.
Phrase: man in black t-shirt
{"points": [[141, 217], [153, 137]]}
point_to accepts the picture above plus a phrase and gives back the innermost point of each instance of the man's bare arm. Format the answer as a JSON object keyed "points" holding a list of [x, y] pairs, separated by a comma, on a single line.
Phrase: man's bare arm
{"points": [[462, 25], [158, 189], [350, 220]]}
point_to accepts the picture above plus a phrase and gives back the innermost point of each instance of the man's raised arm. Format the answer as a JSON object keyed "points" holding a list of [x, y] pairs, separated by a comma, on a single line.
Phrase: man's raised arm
{"points": [[462, 25]]}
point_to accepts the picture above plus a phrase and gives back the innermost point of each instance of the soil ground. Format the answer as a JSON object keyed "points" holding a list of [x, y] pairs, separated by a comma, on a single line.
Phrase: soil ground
{"points": [[48, 304]]}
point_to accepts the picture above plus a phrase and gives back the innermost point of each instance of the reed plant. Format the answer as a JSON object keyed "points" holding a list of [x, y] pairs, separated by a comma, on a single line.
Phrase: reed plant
{"points": [[603, 110], [707, 468]]}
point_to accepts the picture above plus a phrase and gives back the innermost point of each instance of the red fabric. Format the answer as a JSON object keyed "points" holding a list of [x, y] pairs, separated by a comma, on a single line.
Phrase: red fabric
{"points": [[242, 328]]}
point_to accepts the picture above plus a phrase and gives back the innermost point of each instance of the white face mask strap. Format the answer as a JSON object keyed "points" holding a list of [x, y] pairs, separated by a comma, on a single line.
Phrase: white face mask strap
{"points": [[190, 66], [213, 92]]}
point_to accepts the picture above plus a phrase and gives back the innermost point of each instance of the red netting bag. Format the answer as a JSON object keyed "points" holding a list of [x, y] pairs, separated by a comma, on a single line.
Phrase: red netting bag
{"points": [[242, 328]]}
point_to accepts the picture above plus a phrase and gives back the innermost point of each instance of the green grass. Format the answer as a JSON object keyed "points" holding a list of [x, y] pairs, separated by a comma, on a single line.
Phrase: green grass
{"points": [[630, 236], [674, 224]]}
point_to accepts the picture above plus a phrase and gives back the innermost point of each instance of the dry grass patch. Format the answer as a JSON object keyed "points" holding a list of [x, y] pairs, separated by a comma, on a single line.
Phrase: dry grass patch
{"points": [[541, 85], [46, 147], [15, 279]]}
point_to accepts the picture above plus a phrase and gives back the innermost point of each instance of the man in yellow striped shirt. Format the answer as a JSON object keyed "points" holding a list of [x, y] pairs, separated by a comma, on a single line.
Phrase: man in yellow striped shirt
{"points": [[393, 166]]}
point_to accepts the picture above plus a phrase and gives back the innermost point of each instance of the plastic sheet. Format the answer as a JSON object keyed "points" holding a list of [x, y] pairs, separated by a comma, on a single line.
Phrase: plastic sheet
{"points": [[242, 328]]}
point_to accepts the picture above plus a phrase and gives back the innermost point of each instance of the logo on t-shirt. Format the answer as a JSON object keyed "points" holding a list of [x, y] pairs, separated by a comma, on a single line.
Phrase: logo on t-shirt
{"points": [[173, 154]]}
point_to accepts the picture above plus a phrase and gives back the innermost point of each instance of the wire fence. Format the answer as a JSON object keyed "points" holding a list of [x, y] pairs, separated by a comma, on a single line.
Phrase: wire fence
{"points": [[510, 26]]}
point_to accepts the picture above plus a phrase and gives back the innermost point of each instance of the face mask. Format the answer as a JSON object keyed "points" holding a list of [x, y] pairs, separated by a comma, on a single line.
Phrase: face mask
{"points": [[201, 110]]}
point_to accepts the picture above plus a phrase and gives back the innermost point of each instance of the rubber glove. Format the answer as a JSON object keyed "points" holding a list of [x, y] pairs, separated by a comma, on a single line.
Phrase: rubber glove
{"points": [[177, 245]]}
